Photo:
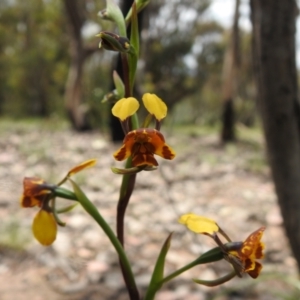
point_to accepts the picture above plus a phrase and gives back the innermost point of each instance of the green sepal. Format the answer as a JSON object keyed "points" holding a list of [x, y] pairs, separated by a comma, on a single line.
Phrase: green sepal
{"points": [[56, 217], [64, 193], [150, 168], [133, 170], [66, 209], [158, 272], [217, 281], [127, 171], [119, 84]]}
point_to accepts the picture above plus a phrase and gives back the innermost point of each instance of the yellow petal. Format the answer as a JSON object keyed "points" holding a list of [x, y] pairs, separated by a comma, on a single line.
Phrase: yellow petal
{"points": [[44, 227], [125, 108], [86, 164], [199, 224], [155, 106]]}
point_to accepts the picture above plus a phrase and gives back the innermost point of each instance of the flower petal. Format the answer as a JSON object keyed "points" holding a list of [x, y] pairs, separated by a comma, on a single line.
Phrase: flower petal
{"points": [[141, 144], [256, 271], [125, 151], [34, 186], [27, 201], [125, 108], [161, 148], [155, 106], [249, 265], [199, 224], [34, 192], [252, 246], [86, 164], [44, 227]]}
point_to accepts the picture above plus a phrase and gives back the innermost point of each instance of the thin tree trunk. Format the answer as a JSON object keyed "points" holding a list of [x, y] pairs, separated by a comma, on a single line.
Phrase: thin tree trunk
{"points": [[77, 111], [230, 68], [276, 80]]}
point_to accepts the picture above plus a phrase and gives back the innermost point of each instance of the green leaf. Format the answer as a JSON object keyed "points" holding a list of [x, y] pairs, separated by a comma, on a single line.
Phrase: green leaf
{"points": [[134, 34], [140, 5], [56, 217], [212, 255], [135, 46], [93, 212], [158, 272], [119, 84], [114, 13]]}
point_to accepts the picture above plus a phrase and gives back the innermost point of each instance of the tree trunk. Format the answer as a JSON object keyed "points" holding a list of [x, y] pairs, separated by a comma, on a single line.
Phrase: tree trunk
{"points": [[77, 111], [230, 68], [276, 79]]}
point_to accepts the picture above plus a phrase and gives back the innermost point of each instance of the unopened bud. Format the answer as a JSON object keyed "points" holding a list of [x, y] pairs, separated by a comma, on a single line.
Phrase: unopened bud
{"points": [[113, 42]]}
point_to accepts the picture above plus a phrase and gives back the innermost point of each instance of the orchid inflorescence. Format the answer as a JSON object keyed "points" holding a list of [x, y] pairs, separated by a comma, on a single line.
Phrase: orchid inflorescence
{"points": [[139, 148], [142, 143]]}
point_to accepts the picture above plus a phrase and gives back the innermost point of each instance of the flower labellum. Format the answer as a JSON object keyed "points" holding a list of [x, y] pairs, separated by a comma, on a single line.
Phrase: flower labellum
{"points": [[141, 145], [250, 250]]}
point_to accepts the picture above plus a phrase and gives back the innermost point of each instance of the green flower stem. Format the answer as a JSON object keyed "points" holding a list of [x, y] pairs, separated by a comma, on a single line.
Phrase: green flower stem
{"points": [[126, 190], [180, 271], [128, 87], [212, 255], [126, 268], [128, 181], [152, 291], [64, 193]]}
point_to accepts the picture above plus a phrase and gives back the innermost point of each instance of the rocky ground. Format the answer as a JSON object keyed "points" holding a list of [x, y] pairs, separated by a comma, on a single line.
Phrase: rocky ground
{"points": [[229, 184]]}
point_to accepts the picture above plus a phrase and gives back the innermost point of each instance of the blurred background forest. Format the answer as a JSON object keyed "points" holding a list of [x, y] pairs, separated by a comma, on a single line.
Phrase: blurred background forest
{"points": [[186, 59], [53, 78]]}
